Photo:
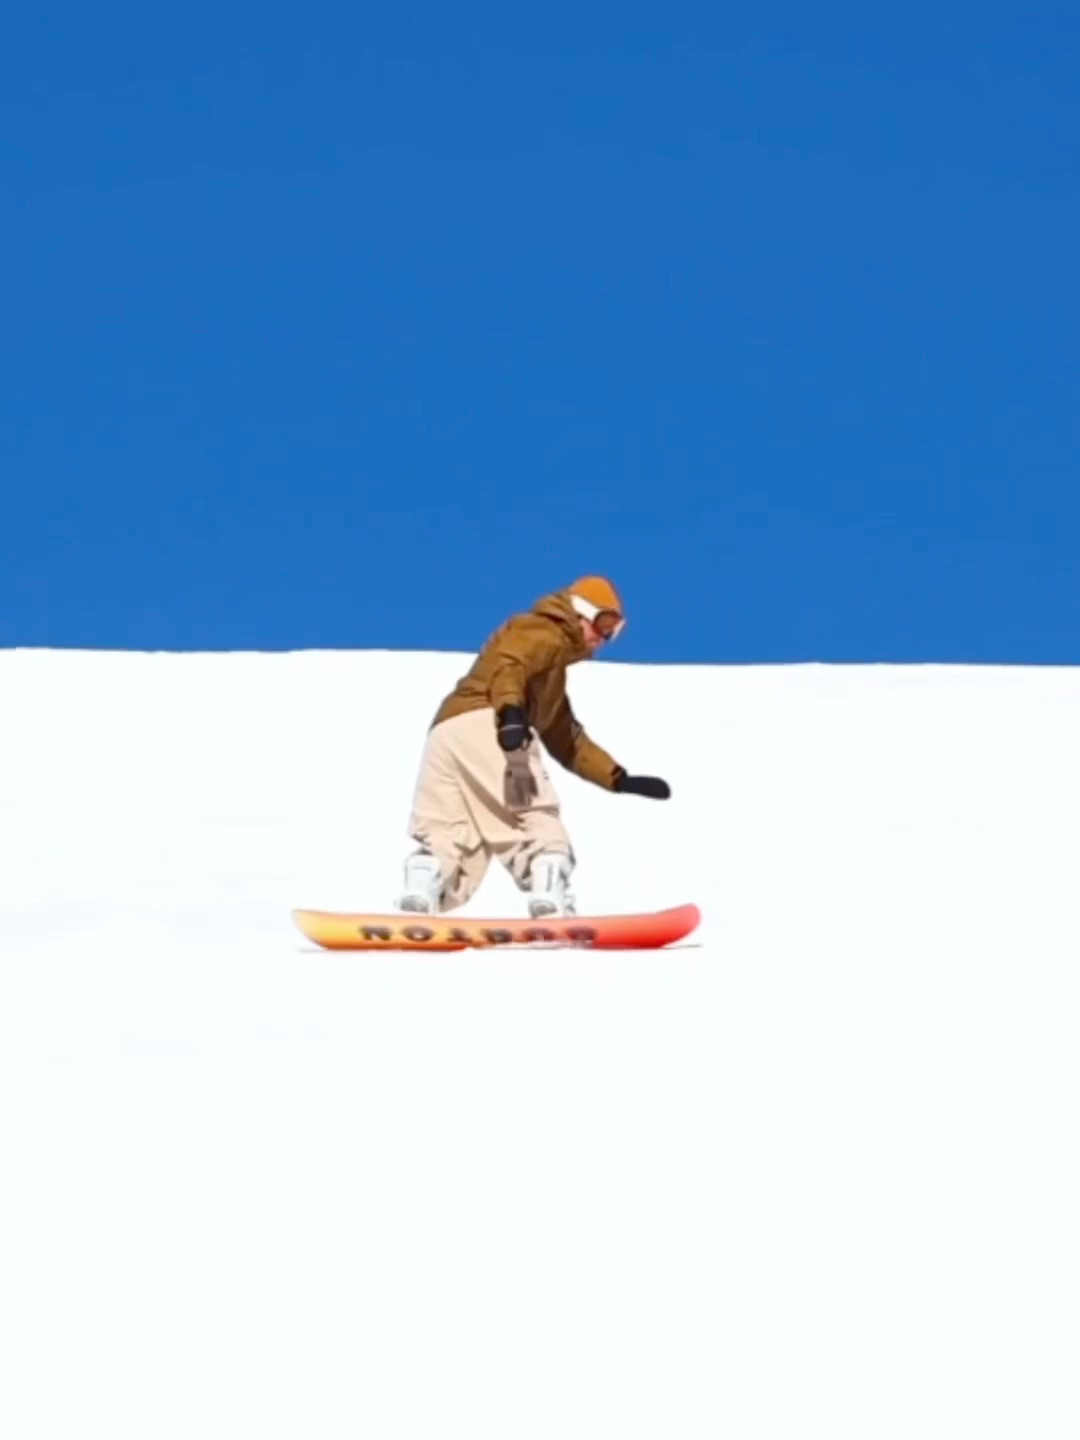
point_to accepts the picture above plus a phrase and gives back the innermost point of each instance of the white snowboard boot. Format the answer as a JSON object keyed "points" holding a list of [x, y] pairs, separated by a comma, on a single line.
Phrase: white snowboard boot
{"points": [[549, 876], [423, 886]]}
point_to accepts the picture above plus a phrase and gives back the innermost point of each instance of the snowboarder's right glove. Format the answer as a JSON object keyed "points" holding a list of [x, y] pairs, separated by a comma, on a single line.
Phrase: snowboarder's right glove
{"points": [[647, 785], [513, 729]]}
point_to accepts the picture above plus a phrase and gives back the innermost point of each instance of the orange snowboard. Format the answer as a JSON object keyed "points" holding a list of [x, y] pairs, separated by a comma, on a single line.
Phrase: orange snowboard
{"points": [[337, 931]]}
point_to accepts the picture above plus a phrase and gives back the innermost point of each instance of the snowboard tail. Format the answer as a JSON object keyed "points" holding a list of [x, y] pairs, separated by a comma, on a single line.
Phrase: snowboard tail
{"points": [[337, 930]]}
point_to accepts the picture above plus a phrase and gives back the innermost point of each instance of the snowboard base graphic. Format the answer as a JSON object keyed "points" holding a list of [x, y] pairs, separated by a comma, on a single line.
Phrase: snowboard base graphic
{"points": [[646, 930]]}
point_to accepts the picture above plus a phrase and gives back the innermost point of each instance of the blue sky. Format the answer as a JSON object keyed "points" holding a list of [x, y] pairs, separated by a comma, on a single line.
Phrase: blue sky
{"points": [[332, 327]]}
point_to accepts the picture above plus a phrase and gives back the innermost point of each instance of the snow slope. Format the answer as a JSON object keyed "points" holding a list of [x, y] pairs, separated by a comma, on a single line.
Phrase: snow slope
{"points": [[816, 1176]]}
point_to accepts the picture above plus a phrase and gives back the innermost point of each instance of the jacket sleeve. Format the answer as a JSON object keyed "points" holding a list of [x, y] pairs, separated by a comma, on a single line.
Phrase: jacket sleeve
{"points": [[519, 653], [566, 740]]}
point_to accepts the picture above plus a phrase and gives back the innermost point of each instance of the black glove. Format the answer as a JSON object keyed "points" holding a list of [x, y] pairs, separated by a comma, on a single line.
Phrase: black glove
{"points": [[647, 785], [513, 729]]}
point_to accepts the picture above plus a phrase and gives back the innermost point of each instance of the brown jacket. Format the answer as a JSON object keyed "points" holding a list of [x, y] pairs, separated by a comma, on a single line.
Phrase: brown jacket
{"points": [[524, 663]]}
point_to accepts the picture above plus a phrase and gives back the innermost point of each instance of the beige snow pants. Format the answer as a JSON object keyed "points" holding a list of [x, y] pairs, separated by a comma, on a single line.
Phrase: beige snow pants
{"points": [[460, 811]]}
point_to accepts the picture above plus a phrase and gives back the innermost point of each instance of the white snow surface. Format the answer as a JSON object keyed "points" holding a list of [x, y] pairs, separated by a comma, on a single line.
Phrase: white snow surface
{"points": [[814, 1174]]}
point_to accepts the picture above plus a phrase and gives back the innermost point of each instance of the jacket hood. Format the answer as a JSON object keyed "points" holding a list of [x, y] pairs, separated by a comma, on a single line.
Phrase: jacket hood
{"points": [[559, 607]]}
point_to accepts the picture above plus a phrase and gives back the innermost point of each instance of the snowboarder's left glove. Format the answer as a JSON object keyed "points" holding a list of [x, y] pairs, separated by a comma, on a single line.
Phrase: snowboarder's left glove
{"points": [[647, 785], [513, 729]]}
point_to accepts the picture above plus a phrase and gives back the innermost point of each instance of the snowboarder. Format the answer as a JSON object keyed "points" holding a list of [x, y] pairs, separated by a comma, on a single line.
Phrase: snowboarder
{"points": [[483, 790]]}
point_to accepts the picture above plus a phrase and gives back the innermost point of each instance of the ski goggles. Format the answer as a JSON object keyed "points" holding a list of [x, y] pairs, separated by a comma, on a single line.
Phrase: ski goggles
{"points": [[607, 623]]}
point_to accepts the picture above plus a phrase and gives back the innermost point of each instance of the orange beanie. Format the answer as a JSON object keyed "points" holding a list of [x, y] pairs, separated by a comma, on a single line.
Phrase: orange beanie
{"points": [[598, 594]]}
